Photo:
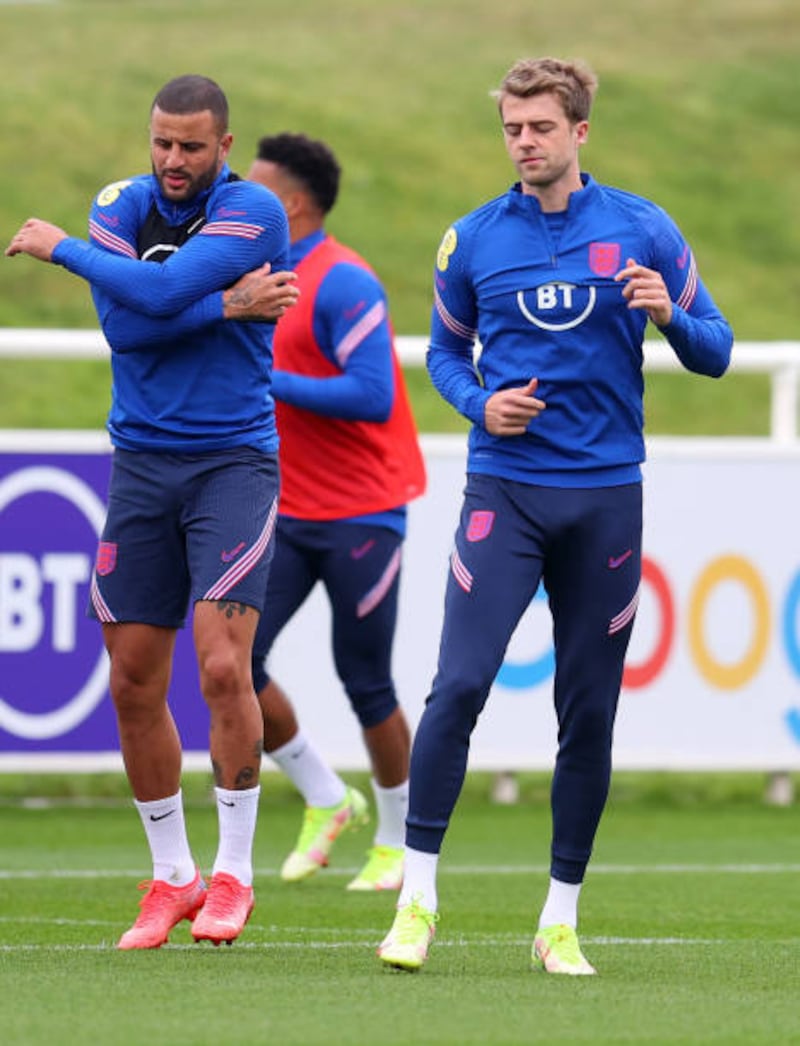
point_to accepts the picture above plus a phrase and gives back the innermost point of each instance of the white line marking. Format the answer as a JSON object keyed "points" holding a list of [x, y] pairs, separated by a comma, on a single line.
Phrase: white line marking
{"points": [[463, 941], [778, 868]]}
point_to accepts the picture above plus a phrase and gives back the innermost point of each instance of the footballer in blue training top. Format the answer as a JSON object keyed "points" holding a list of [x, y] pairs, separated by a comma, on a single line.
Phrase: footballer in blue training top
{"points": [[194, 487], [557, 280]]}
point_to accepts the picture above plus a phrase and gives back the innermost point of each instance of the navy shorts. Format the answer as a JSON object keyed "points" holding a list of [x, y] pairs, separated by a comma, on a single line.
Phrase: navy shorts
{"points": [[181, 528]]}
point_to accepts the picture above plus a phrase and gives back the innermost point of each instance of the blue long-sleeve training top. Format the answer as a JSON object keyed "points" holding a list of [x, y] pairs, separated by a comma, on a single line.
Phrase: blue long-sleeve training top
{"points": [[184, 379], [364, 390], [537, 290]]}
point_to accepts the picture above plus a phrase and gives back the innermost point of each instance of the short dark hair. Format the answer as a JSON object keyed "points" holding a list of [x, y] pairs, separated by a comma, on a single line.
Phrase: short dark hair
{"points": [[193, 94], [309, 161]]}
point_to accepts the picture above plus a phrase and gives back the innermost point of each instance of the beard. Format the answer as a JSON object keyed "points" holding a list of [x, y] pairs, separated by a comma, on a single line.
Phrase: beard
{"points": [[191, 185]]}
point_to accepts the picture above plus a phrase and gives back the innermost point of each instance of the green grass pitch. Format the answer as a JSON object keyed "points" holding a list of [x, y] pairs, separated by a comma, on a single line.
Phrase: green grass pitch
{"points": [[690, 913]]}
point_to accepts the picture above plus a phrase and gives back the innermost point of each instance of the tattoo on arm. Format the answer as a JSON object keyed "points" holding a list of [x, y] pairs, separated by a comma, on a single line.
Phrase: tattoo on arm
{"points": [[240, 297]]}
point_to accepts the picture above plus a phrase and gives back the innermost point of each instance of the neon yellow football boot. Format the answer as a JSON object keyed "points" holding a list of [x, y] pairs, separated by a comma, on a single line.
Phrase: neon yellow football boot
{"points": [[383, 870], [406, 945], [556, 950], [322, 826]]}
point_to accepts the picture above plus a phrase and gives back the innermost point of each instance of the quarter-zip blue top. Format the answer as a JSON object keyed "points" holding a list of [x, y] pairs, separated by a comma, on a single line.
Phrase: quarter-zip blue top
{"points": [[538, 293], [184, 379]]}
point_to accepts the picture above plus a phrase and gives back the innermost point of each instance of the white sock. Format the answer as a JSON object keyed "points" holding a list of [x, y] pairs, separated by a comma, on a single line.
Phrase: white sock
{"points": [[165, 828], [561, 904], [237, 812], [308, 772], [392, 807], [419, 879]]}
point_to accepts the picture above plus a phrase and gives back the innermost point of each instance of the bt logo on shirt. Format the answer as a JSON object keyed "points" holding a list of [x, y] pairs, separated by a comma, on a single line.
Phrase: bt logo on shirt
{"points": [[557, 306]]}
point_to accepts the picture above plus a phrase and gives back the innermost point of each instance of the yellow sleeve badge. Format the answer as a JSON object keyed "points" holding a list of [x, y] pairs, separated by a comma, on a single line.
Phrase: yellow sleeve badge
{"points": [[111, 193], [446, 248]]}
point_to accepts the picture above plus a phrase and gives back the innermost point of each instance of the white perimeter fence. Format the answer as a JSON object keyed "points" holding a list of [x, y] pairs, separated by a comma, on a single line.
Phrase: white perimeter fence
{"points": [[779, 359]]}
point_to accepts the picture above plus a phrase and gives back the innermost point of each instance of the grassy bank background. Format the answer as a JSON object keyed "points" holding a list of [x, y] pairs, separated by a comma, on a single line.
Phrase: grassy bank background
{"points": [[697, 109]]}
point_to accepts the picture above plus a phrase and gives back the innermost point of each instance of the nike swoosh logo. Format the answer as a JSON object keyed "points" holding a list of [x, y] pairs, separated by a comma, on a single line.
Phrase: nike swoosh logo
{"points": [[350, 314], [681, 262], [160, 817], [226, 557], [362, 550], [226, 803], [617, 561]]}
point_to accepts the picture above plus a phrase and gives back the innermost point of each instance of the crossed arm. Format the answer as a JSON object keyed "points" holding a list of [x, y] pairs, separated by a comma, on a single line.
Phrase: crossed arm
{"points": [[259, 295]]}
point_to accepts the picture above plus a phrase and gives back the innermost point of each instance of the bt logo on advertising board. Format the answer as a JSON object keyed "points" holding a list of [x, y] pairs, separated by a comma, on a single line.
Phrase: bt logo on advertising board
{"points": [[22, 580], [54, 668]]}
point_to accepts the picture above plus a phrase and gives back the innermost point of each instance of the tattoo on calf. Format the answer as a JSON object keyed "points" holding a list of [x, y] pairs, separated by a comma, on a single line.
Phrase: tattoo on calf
{"points": [[246, 778]]}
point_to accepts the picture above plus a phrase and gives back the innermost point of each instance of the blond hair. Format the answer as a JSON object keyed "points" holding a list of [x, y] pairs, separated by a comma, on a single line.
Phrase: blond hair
{"points": [[573, 83]]}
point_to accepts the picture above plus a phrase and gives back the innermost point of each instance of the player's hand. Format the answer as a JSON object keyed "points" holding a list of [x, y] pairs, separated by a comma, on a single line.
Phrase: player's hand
{"points": [[645, 289], [37, 238], [260, 295], [509, 411]]}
